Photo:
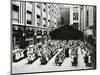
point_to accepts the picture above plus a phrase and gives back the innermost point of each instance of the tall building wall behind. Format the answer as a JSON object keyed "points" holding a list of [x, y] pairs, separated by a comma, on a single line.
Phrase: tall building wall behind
{"points": [[90, 9]]}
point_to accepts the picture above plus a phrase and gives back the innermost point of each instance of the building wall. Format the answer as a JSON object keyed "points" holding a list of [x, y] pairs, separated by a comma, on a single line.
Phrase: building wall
{"points": [[67, 14], [88, 24], [37, 12], [87, 17], [29, 17], [76, 14], [90, 12], [83, 18]]}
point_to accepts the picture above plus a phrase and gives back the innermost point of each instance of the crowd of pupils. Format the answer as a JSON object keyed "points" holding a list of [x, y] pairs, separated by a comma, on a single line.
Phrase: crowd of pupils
{"points": [[68, 49]]}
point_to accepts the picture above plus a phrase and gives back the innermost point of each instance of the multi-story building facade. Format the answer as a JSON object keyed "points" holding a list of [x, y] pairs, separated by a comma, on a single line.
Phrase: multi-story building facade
{"points": [[75, 20], [70, 15], [88, 23], [79, 17], [88, 17], [32, 22]]}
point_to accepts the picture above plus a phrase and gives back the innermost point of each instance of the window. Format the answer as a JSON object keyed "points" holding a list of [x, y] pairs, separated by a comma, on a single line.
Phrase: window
{"points": [[44, 25], [29, 33], [17, 37], [75, 16], [38, 5], [48, 20], [29, 22], [44, 3], [87, 21], [44, 10], [38, 20], [75, 25], [49, 7], [44, 22], [15, 13], [38, 16], [52, 10], [44, 18], [29, 17], [29, 12]]}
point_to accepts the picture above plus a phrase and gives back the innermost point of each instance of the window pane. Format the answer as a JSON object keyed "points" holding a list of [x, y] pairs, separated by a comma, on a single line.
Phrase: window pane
{"points": [[15, 8], [29, 17], [29, 22], [75, 16], [38, 20], [29, 12], [15, 13]]}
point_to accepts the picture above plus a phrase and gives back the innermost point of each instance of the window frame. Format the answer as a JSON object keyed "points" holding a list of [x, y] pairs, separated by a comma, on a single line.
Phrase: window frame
{"points": [[75, 16], [15, 8]]}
